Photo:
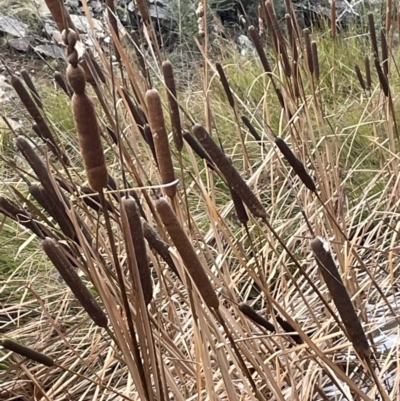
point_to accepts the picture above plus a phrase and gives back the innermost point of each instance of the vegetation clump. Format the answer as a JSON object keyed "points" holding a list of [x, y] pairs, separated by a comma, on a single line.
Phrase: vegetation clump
{"points": [[183, 257]]}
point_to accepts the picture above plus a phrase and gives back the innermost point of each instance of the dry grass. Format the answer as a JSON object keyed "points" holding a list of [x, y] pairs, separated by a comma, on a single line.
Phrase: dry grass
{"points": [[189, 334]]}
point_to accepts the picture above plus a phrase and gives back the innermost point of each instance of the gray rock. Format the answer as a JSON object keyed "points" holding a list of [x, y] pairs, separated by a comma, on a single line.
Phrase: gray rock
{"points": [[21, 44], [12, 26], [50, 50], [82, 25]]}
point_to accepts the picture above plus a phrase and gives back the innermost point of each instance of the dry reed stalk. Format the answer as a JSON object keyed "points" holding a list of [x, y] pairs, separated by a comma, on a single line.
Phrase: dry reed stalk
{"points": [[368, 72], [307, 41], [148, 135], [60, 15], [372, 34], [229, 171], [33, 110], [333, 19], [113, 23], [340, 296], [12, 210], [382, 78], [188, 253], [155, 242], [88, 130], [296, 164], [72, 279], [62, 84], [173, 104], [251, 314], [252, 130], [288, 328], [314, 53], [40, 169], [157, 124], [143, 10], [239, 207], [135, 227], [360, 76], [225, 84], [29, 83], [197, 148], [281, 44], [385, 52], [27, 352], [259, 48]]}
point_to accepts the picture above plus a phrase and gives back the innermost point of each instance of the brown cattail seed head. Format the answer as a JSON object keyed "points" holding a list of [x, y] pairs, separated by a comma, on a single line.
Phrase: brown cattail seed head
{"points": [[372, 34], [27, 352], [88, 130], [360, 76], [229, 171], [250, 313], [76, 78], [260, 50], [135, 227], [296, 164], [340, 296], [70, 276], [157, 125], [187, 252], [173, 104]]}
